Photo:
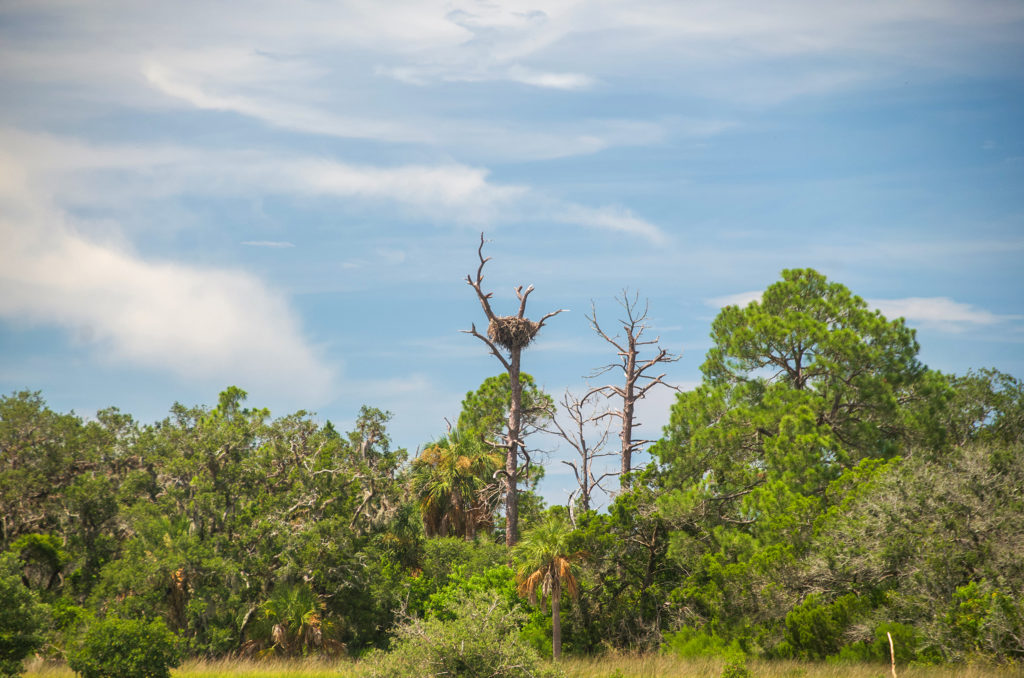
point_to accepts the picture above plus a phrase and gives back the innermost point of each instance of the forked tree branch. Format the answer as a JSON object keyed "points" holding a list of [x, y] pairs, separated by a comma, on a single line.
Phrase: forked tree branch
{"points": [[636, 382], [490, 344]]}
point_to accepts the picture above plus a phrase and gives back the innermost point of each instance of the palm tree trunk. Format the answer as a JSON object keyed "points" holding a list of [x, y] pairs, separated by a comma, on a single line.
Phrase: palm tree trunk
{"points": [[556, 619]]}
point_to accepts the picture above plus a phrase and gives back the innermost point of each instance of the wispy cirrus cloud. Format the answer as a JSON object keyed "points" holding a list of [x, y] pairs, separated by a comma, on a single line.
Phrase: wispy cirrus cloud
{"points": [[272, 244], [280, 102], [275, 110], [450, 193], [941, 313], [425, 75], [611, 218]]}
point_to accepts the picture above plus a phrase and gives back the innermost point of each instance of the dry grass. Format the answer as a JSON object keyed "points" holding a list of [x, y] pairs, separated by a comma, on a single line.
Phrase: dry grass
{"points": [[229, 668], [629, 666], [661, 666]]}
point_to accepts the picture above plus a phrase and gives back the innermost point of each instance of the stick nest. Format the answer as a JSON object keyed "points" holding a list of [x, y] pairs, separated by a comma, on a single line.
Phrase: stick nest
{"points": [[512, 332]]}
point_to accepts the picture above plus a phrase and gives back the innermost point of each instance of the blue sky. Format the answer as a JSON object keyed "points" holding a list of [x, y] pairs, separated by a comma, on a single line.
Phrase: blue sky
{"points": [[287, 196]]}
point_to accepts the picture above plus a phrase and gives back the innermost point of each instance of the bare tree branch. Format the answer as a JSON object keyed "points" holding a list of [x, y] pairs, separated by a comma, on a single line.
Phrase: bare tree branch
{"points": [[588, 452], [636, 382]]}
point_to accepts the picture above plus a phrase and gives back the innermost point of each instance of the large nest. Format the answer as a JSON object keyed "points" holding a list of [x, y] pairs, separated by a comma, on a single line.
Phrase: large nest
{"points": [[512, 332]]}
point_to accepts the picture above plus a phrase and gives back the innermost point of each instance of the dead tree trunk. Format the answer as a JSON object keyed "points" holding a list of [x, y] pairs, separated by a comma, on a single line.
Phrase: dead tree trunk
{"points": [[506, 338], [636, 382], [575, 432]]}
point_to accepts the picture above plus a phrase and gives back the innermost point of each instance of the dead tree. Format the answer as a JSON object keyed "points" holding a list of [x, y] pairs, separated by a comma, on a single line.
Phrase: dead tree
{"points": [[506, 337], [636, 380], [583, 418]]}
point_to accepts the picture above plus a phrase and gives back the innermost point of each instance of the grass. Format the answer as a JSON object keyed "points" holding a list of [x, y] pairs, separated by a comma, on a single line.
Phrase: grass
{"points": [[627, 666], [664, 666], [228, 668]]}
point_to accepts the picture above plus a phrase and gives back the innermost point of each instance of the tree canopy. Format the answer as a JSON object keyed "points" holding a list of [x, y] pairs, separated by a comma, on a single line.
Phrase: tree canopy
{"points": [[820, 490]]}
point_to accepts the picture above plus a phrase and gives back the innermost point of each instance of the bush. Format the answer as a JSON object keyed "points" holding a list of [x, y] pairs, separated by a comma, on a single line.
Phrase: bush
{"points": [[479, 636], [816, 629], [125, 648], [691, 643], [906, 642], [736, 668], [21, 617], [983, 621]]}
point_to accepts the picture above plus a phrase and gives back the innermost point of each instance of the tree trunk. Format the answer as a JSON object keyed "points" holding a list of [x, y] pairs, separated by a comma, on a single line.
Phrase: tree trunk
{"points": [[556, 619], [512, 452], [628, 405]]}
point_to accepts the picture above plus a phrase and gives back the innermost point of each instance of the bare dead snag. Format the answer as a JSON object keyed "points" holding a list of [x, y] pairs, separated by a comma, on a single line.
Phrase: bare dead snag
{"points": [[636, 380], [582, 417], [506, 338]]}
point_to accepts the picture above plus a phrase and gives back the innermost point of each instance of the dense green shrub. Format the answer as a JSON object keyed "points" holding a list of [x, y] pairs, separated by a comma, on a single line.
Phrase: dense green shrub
{"points": [[983, 621], [815, 629], [480, 637], [21, 617], [906, 642], [736, 668], [690, 643], [125, 648]]}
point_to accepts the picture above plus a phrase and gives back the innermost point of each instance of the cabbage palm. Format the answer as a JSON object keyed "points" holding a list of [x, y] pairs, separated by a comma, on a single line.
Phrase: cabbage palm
{"points": [[451, 480], [545, 566], [291, 623]]}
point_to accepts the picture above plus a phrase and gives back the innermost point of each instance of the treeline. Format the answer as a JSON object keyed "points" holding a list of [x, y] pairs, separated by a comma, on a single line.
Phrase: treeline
{"points": [[819, 490]]}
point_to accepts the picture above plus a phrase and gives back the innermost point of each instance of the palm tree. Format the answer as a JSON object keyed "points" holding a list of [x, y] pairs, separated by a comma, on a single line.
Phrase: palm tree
{"points": [[453, 481], [545, 566], [290, 623]]}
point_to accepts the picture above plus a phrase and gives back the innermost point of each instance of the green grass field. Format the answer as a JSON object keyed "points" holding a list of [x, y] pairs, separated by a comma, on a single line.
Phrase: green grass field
{"points": [[645, 666]]}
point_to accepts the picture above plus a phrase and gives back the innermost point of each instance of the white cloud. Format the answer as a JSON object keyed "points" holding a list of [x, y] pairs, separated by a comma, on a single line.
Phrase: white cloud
{"points": [[201, 323], [569, 81], [445, 185], [451, 192], [941, 313], [259, 61], [740, 299], [612, 218]]}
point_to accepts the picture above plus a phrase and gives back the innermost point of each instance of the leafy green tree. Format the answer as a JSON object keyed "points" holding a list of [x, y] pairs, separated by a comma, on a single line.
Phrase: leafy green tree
{"points": [[545, 566], [937, 544], [21, 618], [378, 465], [626, 578], [238, 502], [43, 559]]}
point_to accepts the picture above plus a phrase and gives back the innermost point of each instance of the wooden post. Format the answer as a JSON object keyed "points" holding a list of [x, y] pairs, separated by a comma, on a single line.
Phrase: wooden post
{"points": [[892, 654]]}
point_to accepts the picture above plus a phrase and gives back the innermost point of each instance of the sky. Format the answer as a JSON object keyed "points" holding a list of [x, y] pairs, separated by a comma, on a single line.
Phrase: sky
{"points": [[288, 196]]}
